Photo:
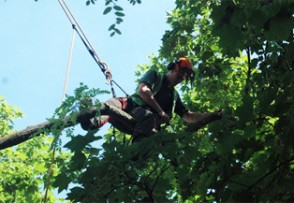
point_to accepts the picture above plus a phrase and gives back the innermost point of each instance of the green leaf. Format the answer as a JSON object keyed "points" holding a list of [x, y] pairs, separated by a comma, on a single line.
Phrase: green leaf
{"points": [[250, 130], [112, 34], [79, 142], [120, 14], [245, 111], [107, 2], [77, 194], [117, 31], [119, 20], [107, 10], [118, 8], [61, 181], [77, 161], [277, 30], [111, 27]]}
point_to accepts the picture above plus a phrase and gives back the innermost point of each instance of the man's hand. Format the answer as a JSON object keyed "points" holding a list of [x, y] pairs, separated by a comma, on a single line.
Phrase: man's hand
{"points": [[218, 114], [164, 117]]}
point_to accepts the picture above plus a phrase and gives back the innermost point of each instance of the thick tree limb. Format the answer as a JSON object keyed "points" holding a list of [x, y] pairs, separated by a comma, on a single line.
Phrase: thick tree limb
{"points": [[22, 135], [31, 131]]}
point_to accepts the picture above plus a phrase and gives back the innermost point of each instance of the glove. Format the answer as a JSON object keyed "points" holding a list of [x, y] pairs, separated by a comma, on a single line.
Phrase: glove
{"points": [[164, 117]]}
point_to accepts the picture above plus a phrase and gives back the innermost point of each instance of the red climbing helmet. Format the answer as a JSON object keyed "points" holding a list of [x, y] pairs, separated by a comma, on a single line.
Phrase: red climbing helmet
{"points": [[184, 64]]}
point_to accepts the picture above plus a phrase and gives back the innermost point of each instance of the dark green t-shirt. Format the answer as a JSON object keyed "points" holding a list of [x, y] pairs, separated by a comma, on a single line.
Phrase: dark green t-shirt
{"points": [[164, 95]]}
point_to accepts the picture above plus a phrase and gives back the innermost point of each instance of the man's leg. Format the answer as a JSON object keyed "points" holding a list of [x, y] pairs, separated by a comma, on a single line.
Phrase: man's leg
{"points": [[99, 121], [112, 111], [146, 122], [95, 123]]}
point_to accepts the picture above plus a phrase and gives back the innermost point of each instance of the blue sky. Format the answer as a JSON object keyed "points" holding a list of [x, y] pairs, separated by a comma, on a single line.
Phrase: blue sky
{"points": [[35, 43]]}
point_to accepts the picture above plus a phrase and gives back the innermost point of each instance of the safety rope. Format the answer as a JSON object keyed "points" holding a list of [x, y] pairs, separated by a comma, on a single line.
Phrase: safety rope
{"points": [[63, 98], [68, 65], [103, 66]]}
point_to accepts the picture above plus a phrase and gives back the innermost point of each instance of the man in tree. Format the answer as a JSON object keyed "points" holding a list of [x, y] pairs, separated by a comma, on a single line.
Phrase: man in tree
{"points": [[153, 103]]}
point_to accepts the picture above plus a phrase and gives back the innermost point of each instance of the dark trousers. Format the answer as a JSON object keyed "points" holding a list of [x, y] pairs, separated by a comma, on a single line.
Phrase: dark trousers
{"points": [[146, 120]]}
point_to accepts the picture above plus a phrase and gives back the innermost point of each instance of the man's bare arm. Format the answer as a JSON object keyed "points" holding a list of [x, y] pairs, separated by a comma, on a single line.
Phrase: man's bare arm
{"points": [[146, 94], [193, 117]]}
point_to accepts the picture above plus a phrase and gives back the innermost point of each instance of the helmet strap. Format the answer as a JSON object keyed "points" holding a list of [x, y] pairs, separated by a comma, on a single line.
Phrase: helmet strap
{"points": [[176, 67]]}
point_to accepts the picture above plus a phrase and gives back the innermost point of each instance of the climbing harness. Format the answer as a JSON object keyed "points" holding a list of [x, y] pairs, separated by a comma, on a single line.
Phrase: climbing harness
{"points": [[103, 66], [155, 89]]}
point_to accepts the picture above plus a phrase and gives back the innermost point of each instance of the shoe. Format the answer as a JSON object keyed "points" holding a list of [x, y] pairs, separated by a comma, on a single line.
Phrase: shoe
{"points": [[90, 124]]}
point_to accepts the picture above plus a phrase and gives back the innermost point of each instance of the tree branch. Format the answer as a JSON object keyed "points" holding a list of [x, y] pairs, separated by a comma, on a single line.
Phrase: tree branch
{"points": [[127, 120], [270, 172], [31, 131], [158, 176], [248, 71]]}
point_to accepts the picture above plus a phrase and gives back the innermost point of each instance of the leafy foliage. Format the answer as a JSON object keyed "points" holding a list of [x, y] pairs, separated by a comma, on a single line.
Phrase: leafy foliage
{"points": [[23, 169], [7, 115], [112, 6], [244, 64]]}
